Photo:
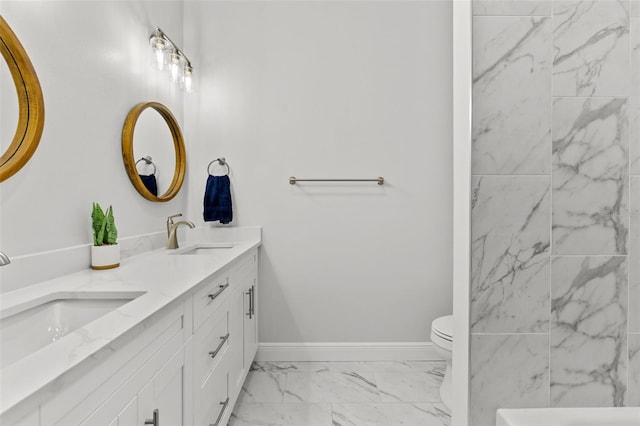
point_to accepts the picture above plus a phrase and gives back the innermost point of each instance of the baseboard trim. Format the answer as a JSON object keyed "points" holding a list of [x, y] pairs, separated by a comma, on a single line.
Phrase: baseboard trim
{"points": [[392, 351]]}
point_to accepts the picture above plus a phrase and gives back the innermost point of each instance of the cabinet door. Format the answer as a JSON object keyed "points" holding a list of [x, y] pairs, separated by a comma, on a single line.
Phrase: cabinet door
{"points": [[250, 324], [164, 393], [133, 403], [236, 352]]}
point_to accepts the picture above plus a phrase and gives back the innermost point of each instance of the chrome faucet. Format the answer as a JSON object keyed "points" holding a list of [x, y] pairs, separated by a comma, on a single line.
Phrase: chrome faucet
{"points": [[173, 233], [4, 259]]}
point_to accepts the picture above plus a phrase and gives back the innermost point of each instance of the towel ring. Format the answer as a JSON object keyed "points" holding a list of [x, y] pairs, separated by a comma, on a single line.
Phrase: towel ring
{"points": [[148, 161], [220, 161]]}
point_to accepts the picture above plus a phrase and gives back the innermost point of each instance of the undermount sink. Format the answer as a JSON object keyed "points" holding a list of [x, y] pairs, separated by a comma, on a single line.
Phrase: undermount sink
{"points": [[204, 248], [32, 326]]}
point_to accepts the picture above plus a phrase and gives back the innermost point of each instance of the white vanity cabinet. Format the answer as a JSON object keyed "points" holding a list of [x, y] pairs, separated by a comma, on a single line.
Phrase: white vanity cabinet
{"points": [[229, 336], [182, 366]]}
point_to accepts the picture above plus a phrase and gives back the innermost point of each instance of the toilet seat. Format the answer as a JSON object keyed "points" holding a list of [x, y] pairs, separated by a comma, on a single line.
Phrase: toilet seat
{"points": [[443, 327], [442, 339]]}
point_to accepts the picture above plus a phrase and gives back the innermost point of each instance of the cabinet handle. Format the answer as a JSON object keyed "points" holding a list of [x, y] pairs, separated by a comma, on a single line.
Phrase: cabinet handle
{"points": [[223, 339], [253, 300], [224, 407], [217, 293], [250, 294], [155, 421]]}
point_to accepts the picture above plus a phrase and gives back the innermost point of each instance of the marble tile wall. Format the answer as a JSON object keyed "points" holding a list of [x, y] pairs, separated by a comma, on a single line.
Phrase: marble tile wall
{"points": [[555, 286]]}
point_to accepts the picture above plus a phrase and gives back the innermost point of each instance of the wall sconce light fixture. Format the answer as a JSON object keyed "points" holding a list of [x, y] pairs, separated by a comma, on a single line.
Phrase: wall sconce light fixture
{"points": [[167, 56]]}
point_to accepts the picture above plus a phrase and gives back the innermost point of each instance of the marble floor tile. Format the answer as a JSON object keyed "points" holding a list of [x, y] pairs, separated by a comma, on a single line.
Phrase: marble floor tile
{"points": [[510, 254], [634, 257], [590, 176], [511, 95], [263, 387], [507, 371], [634, 97], [409, 387], [358, 367], [406, 366], [390, 415], [331, 387], [588, 331], [285, 414], [591, 48], [634, 371]]}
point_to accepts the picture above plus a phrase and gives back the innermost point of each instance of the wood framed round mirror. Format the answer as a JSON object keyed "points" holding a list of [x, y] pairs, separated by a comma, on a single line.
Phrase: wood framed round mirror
{"points": [[30, 104], [130, 160]]}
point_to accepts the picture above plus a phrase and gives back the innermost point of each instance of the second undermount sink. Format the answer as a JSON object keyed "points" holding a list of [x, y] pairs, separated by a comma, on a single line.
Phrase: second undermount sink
{"points": [[26, 329], [204, 248]]}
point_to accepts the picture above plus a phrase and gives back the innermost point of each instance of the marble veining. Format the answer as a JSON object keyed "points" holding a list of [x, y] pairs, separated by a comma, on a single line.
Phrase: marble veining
{"points": [[591, 48], [511, 95], [512, 7], [292, 414], [634, 370], [331, 387], [311, 367], [510, 254], [423, 414], [340, 394], [590, 176], [263, 387], [634, 257], [410, 387], [507, 371], [589, 331], [634, 97], [359, 367]]}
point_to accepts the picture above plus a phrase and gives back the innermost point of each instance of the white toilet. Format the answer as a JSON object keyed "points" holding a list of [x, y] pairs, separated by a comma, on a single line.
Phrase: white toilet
{"points": [[442, 339]]}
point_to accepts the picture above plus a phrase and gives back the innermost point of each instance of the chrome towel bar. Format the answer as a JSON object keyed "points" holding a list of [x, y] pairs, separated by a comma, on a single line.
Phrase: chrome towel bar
{"points": [[293, 180]]}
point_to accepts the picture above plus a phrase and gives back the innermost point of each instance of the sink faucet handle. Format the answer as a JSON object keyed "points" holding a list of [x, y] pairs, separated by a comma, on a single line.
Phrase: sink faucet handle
{"points": [[170, 222]]}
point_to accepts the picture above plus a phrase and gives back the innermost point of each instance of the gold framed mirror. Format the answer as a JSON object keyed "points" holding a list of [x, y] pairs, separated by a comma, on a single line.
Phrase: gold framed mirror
{"points": [[30, 104], [129, 158]]}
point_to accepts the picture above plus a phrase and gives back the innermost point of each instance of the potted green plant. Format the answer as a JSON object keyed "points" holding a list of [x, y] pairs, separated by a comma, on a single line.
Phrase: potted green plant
{"points": [[105, 252]]}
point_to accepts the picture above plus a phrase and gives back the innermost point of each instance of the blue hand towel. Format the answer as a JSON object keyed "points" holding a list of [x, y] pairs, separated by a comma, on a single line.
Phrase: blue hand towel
{"points": [[217, 199], [150, 183]]}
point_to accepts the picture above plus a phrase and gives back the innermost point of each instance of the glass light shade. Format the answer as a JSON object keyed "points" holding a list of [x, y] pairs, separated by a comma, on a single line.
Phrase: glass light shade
{"points": [[168, 56], [188, 79], [176, 69], [159, 46]]}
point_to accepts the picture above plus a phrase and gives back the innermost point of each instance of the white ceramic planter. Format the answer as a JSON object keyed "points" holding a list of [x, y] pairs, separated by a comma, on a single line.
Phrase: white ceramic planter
{"points": [[105, 257]]}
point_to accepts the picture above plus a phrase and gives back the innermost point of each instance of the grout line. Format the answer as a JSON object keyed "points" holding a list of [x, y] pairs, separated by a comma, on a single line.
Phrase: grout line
{"points": [[589, 255], [551, 245], [510, 334]]}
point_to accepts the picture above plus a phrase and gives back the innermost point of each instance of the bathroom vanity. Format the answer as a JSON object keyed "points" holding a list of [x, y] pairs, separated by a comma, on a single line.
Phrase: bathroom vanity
{"points": [[166, 339]]}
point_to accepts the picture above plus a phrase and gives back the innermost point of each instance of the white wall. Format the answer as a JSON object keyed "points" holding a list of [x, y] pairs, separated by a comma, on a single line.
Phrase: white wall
{"points": [[92, 59], [332, 89]]}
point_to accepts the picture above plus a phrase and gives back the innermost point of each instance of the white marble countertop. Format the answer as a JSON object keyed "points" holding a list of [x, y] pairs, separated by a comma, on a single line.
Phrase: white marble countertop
{"points": [[162, 277]]}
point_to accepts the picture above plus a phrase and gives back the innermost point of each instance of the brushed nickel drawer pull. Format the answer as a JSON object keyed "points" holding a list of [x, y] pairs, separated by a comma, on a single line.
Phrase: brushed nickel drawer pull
{"points": [[250, 308], [223, 340], [217, 293], [253, 299], [224, 407], [155, 421]]}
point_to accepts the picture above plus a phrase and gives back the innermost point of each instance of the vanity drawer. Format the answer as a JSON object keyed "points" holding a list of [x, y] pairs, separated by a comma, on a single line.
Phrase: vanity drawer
{"points": [[209, 298], [211, 342], [212, 405]]}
